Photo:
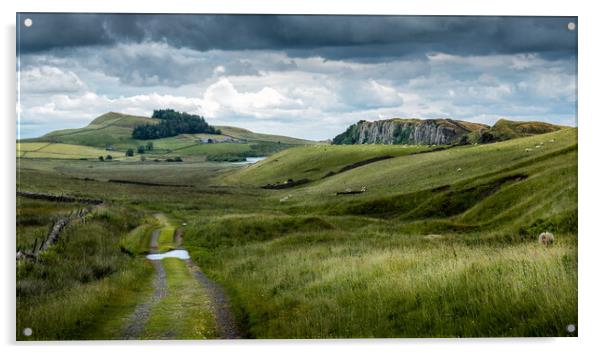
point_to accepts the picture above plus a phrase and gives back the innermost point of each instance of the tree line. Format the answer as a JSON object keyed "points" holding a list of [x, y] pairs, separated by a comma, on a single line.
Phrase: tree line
{"points": [[173, 123]]}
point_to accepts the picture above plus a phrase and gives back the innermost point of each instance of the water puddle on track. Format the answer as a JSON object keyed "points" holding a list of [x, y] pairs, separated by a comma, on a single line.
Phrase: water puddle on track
{"points": [[181, 254]]}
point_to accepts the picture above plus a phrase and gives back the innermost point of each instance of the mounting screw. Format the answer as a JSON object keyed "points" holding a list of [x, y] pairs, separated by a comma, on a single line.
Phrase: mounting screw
{"points": [[571, 26]]}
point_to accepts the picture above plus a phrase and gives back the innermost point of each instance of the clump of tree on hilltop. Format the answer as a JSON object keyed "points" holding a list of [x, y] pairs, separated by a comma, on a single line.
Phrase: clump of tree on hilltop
{"points": [[173, 123]]}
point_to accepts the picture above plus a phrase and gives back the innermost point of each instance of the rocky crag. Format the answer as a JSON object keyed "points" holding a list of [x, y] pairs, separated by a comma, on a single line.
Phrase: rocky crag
{"points": [[437, 131]]}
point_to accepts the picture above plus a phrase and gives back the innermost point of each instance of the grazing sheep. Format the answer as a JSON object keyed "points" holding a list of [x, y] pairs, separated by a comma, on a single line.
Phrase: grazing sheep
{"points": [[459, 169], [546, 238], [528, 150]]}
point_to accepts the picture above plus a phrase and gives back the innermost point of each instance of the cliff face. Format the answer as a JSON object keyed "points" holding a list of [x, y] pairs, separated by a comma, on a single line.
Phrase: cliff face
{"points": [[408, 131]]}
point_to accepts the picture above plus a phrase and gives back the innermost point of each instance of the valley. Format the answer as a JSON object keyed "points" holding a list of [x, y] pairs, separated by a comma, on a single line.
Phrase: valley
{"points": [[382, 239]]}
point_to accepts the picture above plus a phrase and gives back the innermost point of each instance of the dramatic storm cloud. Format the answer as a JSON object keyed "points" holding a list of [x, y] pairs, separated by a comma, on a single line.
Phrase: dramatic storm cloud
{"points": [[306, 76]]}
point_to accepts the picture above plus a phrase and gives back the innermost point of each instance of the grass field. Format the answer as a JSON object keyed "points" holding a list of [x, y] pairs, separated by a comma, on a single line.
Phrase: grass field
{"points": [[440, 243], [62, 151]]}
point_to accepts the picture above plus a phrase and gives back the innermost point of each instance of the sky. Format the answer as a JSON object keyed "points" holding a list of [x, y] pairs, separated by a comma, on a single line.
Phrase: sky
{"points": [[303, 76]]}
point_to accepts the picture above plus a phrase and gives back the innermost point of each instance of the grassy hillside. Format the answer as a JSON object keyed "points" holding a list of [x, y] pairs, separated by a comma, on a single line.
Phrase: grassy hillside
{"points": [[441, 244], [244, 134], [114, 130], [314, 162], [505, 129], [108, 129]]}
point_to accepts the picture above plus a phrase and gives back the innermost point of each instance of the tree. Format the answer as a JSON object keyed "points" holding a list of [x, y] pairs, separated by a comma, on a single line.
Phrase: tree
{"points": [[173, 123], [109, 158], [141, 149], [149, 146], [101, 158], [130, 152]]}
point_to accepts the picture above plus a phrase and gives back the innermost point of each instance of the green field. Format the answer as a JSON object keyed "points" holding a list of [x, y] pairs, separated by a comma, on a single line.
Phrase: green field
{"points": [[431, 243], [62, 151]]}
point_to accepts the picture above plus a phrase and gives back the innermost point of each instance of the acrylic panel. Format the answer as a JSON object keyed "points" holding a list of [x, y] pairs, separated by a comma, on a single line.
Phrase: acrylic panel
{"points": [[196, 176]]}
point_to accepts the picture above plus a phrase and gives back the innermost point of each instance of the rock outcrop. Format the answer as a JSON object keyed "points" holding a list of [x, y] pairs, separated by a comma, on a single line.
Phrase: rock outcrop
{"points": [[409, 131]]}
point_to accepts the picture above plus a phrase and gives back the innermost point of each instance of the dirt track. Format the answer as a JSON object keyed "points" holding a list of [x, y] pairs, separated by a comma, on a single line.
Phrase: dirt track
{"points": [[225, 321]]}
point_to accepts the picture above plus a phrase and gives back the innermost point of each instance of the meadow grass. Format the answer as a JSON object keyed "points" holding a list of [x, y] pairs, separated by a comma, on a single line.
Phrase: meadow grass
{"points": [[185, 311], [137, 241], [34, 218], [82, 281], [325, 282]]}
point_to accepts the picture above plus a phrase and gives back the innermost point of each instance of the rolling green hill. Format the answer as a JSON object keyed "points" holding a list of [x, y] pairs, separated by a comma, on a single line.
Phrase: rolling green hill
{"points": [[244, 134], [471, 186], [441, 243], [113, 131], [505, 129], [316, 162]]}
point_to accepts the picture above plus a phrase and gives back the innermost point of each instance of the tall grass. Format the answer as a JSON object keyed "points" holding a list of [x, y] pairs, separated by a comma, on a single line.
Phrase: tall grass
{"points": [[72, 287], [346, 284]]}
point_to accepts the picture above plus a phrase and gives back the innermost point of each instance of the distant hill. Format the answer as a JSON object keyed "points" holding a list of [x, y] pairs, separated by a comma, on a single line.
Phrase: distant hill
{"points": [[505, 129], [111, 133], [438, 131], [115, 129], [244, 134]]}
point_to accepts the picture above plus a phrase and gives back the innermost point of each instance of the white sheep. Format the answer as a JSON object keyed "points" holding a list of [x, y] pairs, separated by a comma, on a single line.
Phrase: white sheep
{"points": [[546, 238]]}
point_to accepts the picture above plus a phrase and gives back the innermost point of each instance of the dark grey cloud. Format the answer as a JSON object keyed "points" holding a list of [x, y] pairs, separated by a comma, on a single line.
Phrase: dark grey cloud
{"points": [[333, 37]]}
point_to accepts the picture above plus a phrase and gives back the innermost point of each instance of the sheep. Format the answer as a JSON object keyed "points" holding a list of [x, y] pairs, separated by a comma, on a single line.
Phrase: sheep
{"points": [[546, 238], [528, 149]]}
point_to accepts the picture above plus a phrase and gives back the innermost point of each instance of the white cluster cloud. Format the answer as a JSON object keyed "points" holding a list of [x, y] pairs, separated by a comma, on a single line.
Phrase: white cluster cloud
{"points": [[268, 91], [47, 79]]}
